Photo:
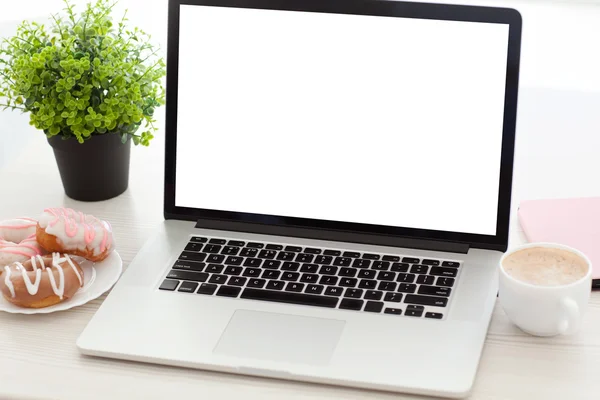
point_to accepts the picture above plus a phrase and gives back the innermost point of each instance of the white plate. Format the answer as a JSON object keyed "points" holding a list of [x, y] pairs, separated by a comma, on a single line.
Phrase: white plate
{"points": [[98, 278]]}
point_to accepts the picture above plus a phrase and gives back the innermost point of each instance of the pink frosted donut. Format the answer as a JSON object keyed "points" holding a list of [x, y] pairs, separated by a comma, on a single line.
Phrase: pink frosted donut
{"points": [[17, 241]]}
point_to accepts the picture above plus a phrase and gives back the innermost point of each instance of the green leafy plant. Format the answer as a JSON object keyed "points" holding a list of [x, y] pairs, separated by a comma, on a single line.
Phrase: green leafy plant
{"points": [[85, 76]]}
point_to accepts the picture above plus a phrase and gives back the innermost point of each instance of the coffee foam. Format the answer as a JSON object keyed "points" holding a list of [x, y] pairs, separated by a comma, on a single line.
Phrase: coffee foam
{"points": [[544, 266]]}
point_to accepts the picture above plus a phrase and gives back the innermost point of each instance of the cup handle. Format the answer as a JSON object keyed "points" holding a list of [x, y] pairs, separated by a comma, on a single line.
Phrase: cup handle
{"points": [[568, 325]]}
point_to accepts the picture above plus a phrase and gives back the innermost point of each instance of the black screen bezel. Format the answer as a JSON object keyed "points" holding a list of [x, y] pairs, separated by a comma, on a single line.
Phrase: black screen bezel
{"points": [[361, 7]]}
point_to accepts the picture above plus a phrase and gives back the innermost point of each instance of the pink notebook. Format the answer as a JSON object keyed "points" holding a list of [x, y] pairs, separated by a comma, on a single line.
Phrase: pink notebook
{"points": [[573, 222]]}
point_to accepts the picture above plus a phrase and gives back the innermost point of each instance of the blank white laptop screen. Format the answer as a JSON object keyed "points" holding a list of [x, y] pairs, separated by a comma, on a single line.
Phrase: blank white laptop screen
{"points": [[365, 119]]}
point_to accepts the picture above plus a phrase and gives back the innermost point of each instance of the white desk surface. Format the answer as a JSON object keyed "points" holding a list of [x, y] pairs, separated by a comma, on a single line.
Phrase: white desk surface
{"points": [[557, 155]]}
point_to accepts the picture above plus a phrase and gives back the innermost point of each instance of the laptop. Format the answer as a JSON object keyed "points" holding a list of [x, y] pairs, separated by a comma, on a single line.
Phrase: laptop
{"points": [[337, 194]]}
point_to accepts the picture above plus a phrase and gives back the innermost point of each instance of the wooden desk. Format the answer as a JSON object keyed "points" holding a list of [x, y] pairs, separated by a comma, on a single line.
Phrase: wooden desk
{"points": [[38, 357]]}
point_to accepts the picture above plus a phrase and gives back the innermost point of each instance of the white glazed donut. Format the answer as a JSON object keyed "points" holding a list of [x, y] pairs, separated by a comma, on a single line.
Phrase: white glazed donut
{"points": [[17, 241]]}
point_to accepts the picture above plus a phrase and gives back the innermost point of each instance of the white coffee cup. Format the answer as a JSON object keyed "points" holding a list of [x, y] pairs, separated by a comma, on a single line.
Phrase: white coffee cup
{"points": [[545, 310]]}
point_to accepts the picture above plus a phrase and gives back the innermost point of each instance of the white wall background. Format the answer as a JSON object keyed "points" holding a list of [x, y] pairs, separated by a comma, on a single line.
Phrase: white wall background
{"points": [[561, 46]]}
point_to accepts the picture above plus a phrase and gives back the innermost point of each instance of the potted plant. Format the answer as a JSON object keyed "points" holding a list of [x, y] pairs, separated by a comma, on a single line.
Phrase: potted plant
{"points": [[92, 87]]}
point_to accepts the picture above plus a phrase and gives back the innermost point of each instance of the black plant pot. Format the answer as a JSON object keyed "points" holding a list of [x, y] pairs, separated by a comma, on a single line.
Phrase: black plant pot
{"points": [[95, 170]]}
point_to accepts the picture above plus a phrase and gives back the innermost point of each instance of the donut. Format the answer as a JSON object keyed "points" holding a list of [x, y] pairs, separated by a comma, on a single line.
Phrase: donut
{"points": [[64, 230], [41, 281], [17, 240]]}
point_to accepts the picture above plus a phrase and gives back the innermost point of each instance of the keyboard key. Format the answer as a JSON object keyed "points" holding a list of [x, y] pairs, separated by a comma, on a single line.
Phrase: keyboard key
{"points": [[354, 293], [328, 280], [168, 284], [443, 271], [310, 250], [217, 241], [367, 274], [314, 289], [419, 269], [268, 254], [270, 274], [237, 281], [434, 315], [410, 260], [189, 265], [374, 306], [274, 247], [214, 268], [334, 253], [426, 279], [367, 284], [304, 258], [286, 256], [233, 260], [430, 262], [237, 243], [349, 272], [415, 307], [290, 266], [452, 264], [252, 272], [187, 275], [255, 245], [386, 276], [198, 239], [275, 285], [406, 278], [373, 295], [230, 250], [309, 278], [352, 254], [229, 291], [271, 264], [253, 262], [215, 258], [212, 248], [448, 282], [294, 287], [193, 246], [400, 267], [207, 288], [248, 252], [368, 256], [413, 313], [426, 300], [407, 288], [393, 297], [348, 282], [192, 256], [256, 283], [327, 270], [391, 258], [310, 268], [289, 297], [231, 270], [435, 291], [380, 265], [294, 249], [334, 291], [387, 286], [351, 304], [396, 311], [290, 276], [342, 261], [323, 260], [360, 263], [220, 279]]}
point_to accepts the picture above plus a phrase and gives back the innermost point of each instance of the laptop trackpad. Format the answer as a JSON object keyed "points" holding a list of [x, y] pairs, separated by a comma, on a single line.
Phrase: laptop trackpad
{"points": [[280, 337]]}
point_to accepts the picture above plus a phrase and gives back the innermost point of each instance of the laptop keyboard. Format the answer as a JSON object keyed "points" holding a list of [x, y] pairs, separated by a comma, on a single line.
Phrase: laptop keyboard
{"points": [[348, 280]]}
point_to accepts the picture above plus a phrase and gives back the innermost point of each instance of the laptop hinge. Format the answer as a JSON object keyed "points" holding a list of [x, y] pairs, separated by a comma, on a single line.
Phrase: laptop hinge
{"points": [[333, 235]]}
